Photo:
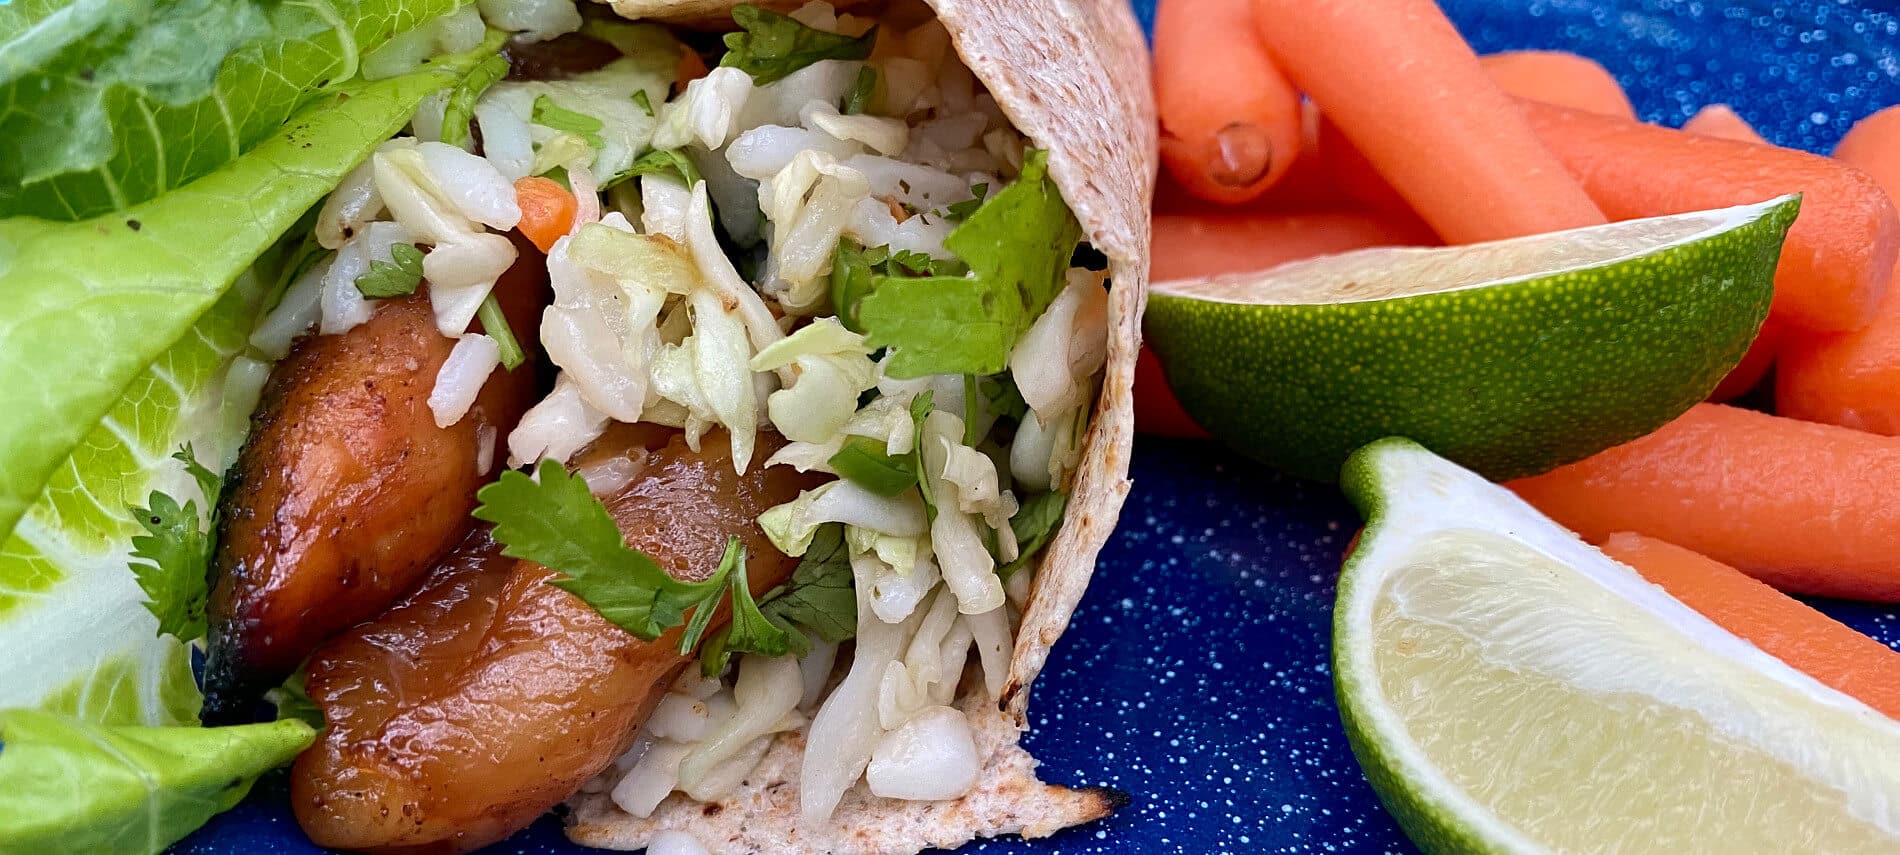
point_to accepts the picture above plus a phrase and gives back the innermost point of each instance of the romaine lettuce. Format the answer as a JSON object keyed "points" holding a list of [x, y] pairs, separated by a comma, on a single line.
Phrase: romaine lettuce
{"points": [[108, 103], [113, 352], [78, 787]]}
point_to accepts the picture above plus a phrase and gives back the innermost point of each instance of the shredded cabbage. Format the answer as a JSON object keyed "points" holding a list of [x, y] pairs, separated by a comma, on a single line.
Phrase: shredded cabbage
{"points": [[790, 526], [767, 692], [845, 730], [706, 112], [968, 569], [1056, 360], [833, 368]]}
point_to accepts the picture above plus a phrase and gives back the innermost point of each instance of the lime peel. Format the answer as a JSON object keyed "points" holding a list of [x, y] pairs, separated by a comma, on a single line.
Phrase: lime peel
{"points": [[1511, 357], [1811, 739]]}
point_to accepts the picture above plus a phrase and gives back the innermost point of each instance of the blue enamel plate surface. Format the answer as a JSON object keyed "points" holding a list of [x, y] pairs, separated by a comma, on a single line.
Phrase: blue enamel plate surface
{"points": [[1195, 675]]}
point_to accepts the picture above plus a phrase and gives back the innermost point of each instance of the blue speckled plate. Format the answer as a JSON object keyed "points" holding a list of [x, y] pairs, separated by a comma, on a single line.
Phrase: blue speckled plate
{"points": [[1195, 676]]}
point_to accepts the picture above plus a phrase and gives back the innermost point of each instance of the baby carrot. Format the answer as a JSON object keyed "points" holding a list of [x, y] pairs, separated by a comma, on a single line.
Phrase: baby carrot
{"points": [[1806, 508], [1230, 122], [1873, 146], [1849, 379], [1748, 373], [1782, 626], [1157, 411], [1561, 78], [1838, 256], [1354, 175], [1406, 89], [1722, 122], [1189, 246], [547, 210], [1853, 379]]}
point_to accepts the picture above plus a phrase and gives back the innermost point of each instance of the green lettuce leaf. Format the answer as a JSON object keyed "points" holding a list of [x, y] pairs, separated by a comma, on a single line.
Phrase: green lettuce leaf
{"points": [[72, 786], [108, 103], [113, 354], [1017, 245]]}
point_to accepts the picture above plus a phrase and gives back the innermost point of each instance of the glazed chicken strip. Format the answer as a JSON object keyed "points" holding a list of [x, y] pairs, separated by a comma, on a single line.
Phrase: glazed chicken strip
{"points": [[347, 492], [489, 696]]}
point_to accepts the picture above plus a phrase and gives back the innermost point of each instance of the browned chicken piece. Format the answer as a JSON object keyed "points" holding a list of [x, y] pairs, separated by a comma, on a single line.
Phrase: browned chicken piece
{"points": [[489, 696], [346, 491]]}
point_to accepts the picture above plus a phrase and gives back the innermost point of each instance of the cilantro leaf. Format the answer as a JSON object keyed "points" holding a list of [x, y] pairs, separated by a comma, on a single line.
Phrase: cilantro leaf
{"points": [[657, 161], [646, 104], [172, 559], [957, 212], [398, 277], [170, 562], [819, 597], [209, 482], [774, 45], [1001, 398], [924, 263], [461, 106], [863, 461], [1018, 245], [862, 91], [558, 523], [750, 631], [551, 115], [1034, 524], [703, 611], [495, 324], [853, 277]]}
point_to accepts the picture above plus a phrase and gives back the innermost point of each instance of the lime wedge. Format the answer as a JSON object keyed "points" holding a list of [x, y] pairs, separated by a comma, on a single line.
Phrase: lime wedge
{"points": [[1508, 688], [1511, 357]]}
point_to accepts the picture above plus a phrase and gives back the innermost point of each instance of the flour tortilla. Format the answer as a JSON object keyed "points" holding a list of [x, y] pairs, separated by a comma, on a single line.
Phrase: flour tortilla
{"points": [[1072, 75]]}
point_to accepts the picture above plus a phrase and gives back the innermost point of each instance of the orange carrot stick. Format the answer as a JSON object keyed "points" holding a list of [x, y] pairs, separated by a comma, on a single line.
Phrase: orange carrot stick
{"points": [[1189, 246], [1157, 411], [1722, 122], [1230, 122], [547, 210], [1782, 626], [1406, 89], [1354, 175], [1838, 256], [1748, 373], [1873, 145], [1806, 508], [1561, 78], [1853, 379], [1848, 379]]}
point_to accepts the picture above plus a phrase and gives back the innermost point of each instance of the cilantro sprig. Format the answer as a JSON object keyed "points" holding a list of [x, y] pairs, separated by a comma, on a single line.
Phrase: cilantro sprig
{"points": [[659, 160], [865, 461], [819, 598], [397, 277], [1017, 244], [172, 560], [554, 520], [772, 46]]}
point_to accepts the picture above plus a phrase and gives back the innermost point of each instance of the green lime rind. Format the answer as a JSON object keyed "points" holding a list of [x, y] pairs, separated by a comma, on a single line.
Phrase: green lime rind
{"points": [[1510, 379], [1432, 822]]}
